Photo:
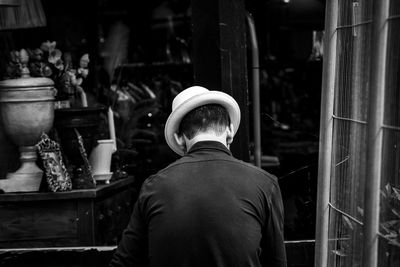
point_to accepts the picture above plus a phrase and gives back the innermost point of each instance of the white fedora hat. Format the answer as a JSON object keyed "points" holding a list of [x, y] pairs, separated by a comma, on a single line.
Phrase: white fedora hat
{"points": [[192, 98]]}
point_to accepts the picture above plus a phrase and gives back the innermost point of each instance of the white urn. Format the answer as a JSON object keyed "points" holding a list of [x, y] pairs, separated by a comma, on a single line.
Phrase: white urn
{"points": [[27, 111]]}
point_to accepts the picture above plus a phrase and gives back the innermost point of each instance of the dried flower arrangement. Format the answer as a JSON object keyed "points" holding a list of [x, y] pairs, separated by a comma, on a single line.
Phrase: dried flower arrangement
{"points": [[48, 61]]}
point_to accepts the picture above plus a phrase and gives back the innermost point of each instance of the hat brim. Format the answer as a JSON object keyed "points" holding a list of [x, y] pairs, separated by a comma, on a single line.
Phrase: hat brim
{"points": [[211, 97]]}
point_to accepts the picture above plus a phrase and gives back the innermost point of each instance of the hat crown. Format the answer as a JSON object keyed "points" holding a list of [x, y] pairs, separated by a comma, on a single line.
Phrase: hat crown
{"points": [[188, 94]]}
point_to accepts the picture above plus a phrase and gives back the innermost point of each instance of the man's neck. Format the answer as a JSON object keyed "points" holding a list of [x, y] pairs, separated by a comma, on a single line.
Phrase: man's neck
{"points": [[206, 137]]}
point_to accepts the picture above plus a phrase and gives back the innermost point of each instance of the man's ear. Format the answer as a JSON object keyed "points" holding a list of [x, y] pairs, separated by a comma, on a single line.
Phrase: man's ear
{"points": [[229, 134], [180, 140]]}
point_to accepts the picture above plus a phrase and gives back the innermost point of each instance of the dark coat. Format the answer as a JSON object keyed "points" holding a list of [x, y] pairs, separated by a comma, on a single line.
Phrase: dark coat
{"points": [[206, 209]]}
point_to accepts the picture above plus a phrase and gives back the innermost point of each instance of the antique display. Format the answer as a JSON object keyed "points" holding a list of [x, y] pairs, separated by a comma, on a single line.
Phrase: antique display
{"points": [[57, 177], [27, 110]]}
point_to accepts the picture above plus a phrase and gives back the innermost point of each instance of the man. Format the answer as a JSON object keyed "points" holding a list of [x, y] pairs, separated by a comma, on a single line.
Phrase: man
{"points": [[207, 208]]}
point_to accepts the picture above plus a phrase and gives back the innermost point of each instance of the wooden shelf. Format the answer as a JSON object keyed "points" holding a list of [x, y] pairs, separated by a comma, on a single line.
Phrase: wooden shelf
{"points": [[100, 191], [155, 64], [89, 217]]}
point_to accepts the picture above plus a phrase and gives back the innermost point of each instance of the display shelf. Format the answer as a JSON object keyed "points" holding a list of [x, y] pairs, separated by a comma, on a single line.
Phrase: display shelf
{"points": [[155, 64], [101, 190], [90, 217]]}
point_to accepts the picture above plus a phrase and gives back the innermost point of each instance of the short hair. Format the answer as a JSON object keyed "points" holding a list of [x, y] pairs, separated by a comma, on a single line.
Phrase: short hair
{"points": [[212, 117]]}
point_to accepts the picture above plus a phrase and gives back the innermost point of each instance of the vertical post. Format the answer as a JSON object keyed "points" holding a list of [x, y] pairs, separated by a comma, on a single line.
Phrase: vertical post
{"points": [[326, 131], [255, 74], [92, 23], [375, 132], [219, 57]]}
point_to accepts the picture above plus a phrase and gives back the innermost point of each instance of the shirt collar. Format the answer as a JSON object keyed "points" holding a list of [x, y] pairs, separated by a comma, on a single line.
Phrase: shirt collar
{"points": [[209, 145]]}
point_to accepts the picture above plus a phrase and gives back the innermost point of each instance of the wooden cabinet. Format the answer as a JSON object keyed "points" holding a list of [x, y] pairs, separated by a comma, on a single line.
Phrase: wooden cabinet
{"points": [[90, 217]]}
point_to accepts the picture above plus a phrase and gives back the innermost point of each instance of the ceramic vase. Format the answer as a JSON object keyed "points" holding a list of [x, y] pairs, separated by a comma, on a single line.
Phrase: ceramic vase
{"points": [[100, 160], [27, 111]]}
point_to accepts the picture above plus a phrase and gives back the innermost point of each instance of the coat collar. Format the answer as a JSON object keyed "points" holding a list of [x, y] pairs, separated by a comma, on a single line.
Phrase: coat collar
{"points": [[209, 145]]}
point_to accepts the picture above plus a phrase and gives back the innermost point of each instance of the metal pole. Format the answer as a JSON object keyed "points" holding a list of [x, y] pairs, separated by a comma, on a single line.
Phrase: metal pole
{"points": [[375, 131], [326, 131], [255, 69]]}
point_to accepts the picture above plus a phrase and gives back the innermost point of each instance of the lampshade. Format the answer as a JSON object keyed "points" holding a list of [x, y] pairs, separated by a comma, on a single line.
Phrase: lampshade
{"points": [[10, 2], [21, 14]]}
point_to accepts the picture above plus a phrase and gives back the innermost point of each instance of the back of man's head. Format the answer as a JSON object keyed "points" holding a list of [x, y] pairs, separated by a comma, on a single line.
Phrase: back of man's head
{"points": [[208, 118]]}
